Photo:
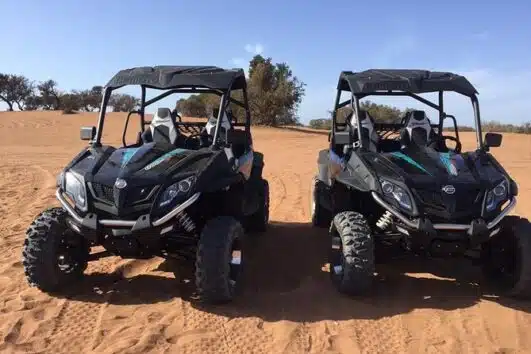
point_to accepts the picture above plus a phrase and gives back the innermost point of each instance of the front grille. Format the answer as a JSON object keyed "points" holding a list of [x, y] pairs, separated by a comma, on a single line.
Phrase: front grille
{"points": [[103, 192], [463, 202], [133, 196]]}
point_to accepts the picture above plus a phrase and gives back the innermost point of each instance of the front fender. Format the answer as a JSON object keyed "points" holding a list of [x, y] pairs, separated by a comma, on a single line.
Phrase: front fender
{"points": [[357, 174], [217, 173], [512, 183]]}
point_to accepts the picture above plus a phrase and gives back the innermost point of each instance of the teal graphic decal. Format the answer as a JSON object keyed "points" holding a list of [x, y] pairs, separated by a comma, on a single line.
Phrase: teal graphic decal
{"points": [[408, 159], [447, 162], [127, 154], [164, 158]]}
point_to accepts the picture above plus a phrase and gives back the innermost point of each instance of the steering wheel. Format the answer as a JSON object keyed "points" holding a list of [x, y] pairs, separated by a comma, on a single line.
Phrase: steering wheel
{"points": [[454, 139], [176, 116]]}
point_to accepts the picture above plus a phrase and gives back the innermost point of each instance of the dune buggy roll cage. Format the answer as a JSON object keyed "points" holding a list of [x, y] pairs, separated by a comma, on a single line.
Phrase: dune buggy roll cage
{"points": [[393, 82], [178, 79]]}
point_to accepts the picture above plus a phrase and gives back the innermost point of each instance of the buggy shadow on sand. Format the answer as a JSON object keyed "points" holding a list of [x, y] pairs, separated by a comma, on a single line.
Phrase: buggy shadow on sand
{"points": [[184, 190], [382, 183]]}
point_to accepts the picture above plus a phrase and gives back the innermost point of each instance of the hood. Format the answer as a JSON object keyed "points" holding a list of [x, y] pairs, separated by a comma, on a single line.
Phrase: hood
{"points": [[146, 170], [447, 184], [148, 164], [427, 166], [431, 165]]}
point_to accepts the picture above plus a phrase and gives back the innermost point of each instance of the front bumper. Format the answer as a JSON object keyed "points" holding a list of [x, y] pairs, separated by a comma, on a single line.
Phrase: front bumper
{"points": [[92, 222], [475, 227]]}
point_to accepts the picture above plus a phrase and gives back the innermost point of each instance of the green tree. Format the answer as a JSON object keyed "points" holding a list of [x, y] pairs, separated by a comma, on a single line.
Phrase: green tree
{"points": [[15, 89], [274, 92], [121, 102], [71, 102], [383, 113], [90, 99], [274, 95], [197, 105], [49, 95]]}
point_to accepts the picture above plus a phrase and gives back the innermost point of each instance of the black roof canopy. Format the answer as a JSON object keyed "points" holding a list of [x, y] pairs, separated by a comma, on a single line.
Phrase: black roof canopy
{"points": [[408, 80], [173, 77]]}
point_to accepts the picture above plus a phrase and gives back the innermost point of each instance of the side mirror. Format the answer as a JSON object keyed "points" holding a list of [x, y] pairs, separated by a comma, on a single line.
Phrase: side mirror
{"points": [[493, 139], [88, 133]]}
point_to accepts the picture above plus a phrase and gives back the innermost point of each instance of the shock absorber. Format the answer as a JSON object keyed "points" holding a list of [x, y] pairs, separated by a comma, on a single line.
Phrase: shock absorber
{"points": [[385, 220], [185, 221]]}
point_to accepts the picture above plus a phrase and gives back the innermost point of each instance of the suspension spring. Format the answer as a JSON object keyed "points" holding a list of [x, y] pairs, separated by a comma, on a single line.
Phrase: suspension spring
{"points": [[185, 221], [385, 220]]}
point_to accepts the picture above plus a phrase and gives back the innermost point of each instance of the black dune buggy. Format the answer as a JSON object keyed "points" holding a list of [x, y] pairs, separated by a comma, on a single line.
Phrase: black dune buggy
{"points": [[183, 190], [410, 185]]}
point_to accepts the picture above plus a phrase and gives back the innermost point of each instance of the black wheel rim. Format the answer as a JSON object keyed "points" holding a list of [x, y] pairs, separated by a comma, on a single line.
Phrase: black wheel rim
{"points": [[235, 263], [510, 262], [505, 260], [336, 257], [68, 255]]}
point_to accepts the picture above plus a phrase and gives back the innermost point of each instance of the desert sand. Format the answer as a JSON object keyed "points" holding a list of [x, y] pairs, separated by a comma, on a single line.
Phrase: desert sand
{"points": [[289, 304]]}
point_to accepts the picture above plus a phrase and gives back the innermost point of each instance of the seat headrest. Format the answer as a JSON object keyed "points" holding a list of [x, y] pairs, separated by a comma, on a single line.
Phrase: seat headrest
{"points": [[418, 115], [211, 124], [418, 129], [163, 126], [163, 113], [418, 118]]}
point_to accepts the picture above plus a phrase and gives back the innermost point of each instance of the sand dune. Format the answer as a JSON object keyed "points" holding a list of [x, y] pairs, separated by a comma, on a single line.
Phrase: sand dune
{"points": [[289, 305]]}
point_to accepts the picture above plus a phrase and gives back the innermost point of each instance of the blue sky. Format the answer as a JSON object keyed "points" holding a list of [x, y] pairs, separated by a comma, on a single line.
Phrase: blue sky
{"points": [[83, 43]]}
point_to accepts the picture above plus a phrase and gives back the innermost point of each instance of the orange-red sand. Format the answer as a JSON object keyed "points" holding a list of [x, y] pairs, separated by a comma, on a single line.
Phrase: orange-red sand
{"points": [[289, 305]]}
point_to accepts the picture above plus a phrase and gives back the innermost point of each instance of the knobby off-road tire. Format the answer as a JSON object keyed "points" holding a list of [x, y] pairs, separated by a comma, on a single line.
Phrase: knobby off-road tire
{"points": [[351, 256], [506, 257], [259, 221], [321, 217], [53, 256], [217, 274]]}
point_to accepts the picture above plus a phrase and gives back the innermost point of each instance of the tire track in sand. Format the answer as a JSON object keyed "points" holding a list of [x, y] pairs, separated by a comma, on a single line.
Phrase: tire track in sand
{"points": [[37, 189], [384, 335], [287, 205], [79, 318], [78, 327], [76, 319], [278, 194], [24, 203]]}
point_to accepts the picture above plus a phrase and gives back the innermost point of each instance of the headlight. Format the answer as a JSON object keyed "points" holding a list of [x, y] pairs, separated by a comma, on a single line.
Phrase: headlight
{"points": [[75, 188], [397, 193], [496, 196], [176, 190]]}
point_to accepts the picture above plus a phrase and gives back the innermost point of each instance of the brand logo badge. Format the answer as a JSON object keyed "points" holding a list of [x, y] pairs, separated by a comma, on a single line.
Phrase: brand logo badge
{"points": [[449, 189], [120, 183]]}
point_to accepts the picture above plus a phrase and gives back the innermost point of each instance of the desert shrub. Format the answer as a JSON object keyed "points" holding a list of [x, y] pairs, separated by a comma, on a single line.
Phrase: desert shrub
{"points": [[197, 105], [71, 103], [324, 123], [123, 102], [495, 126]]}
